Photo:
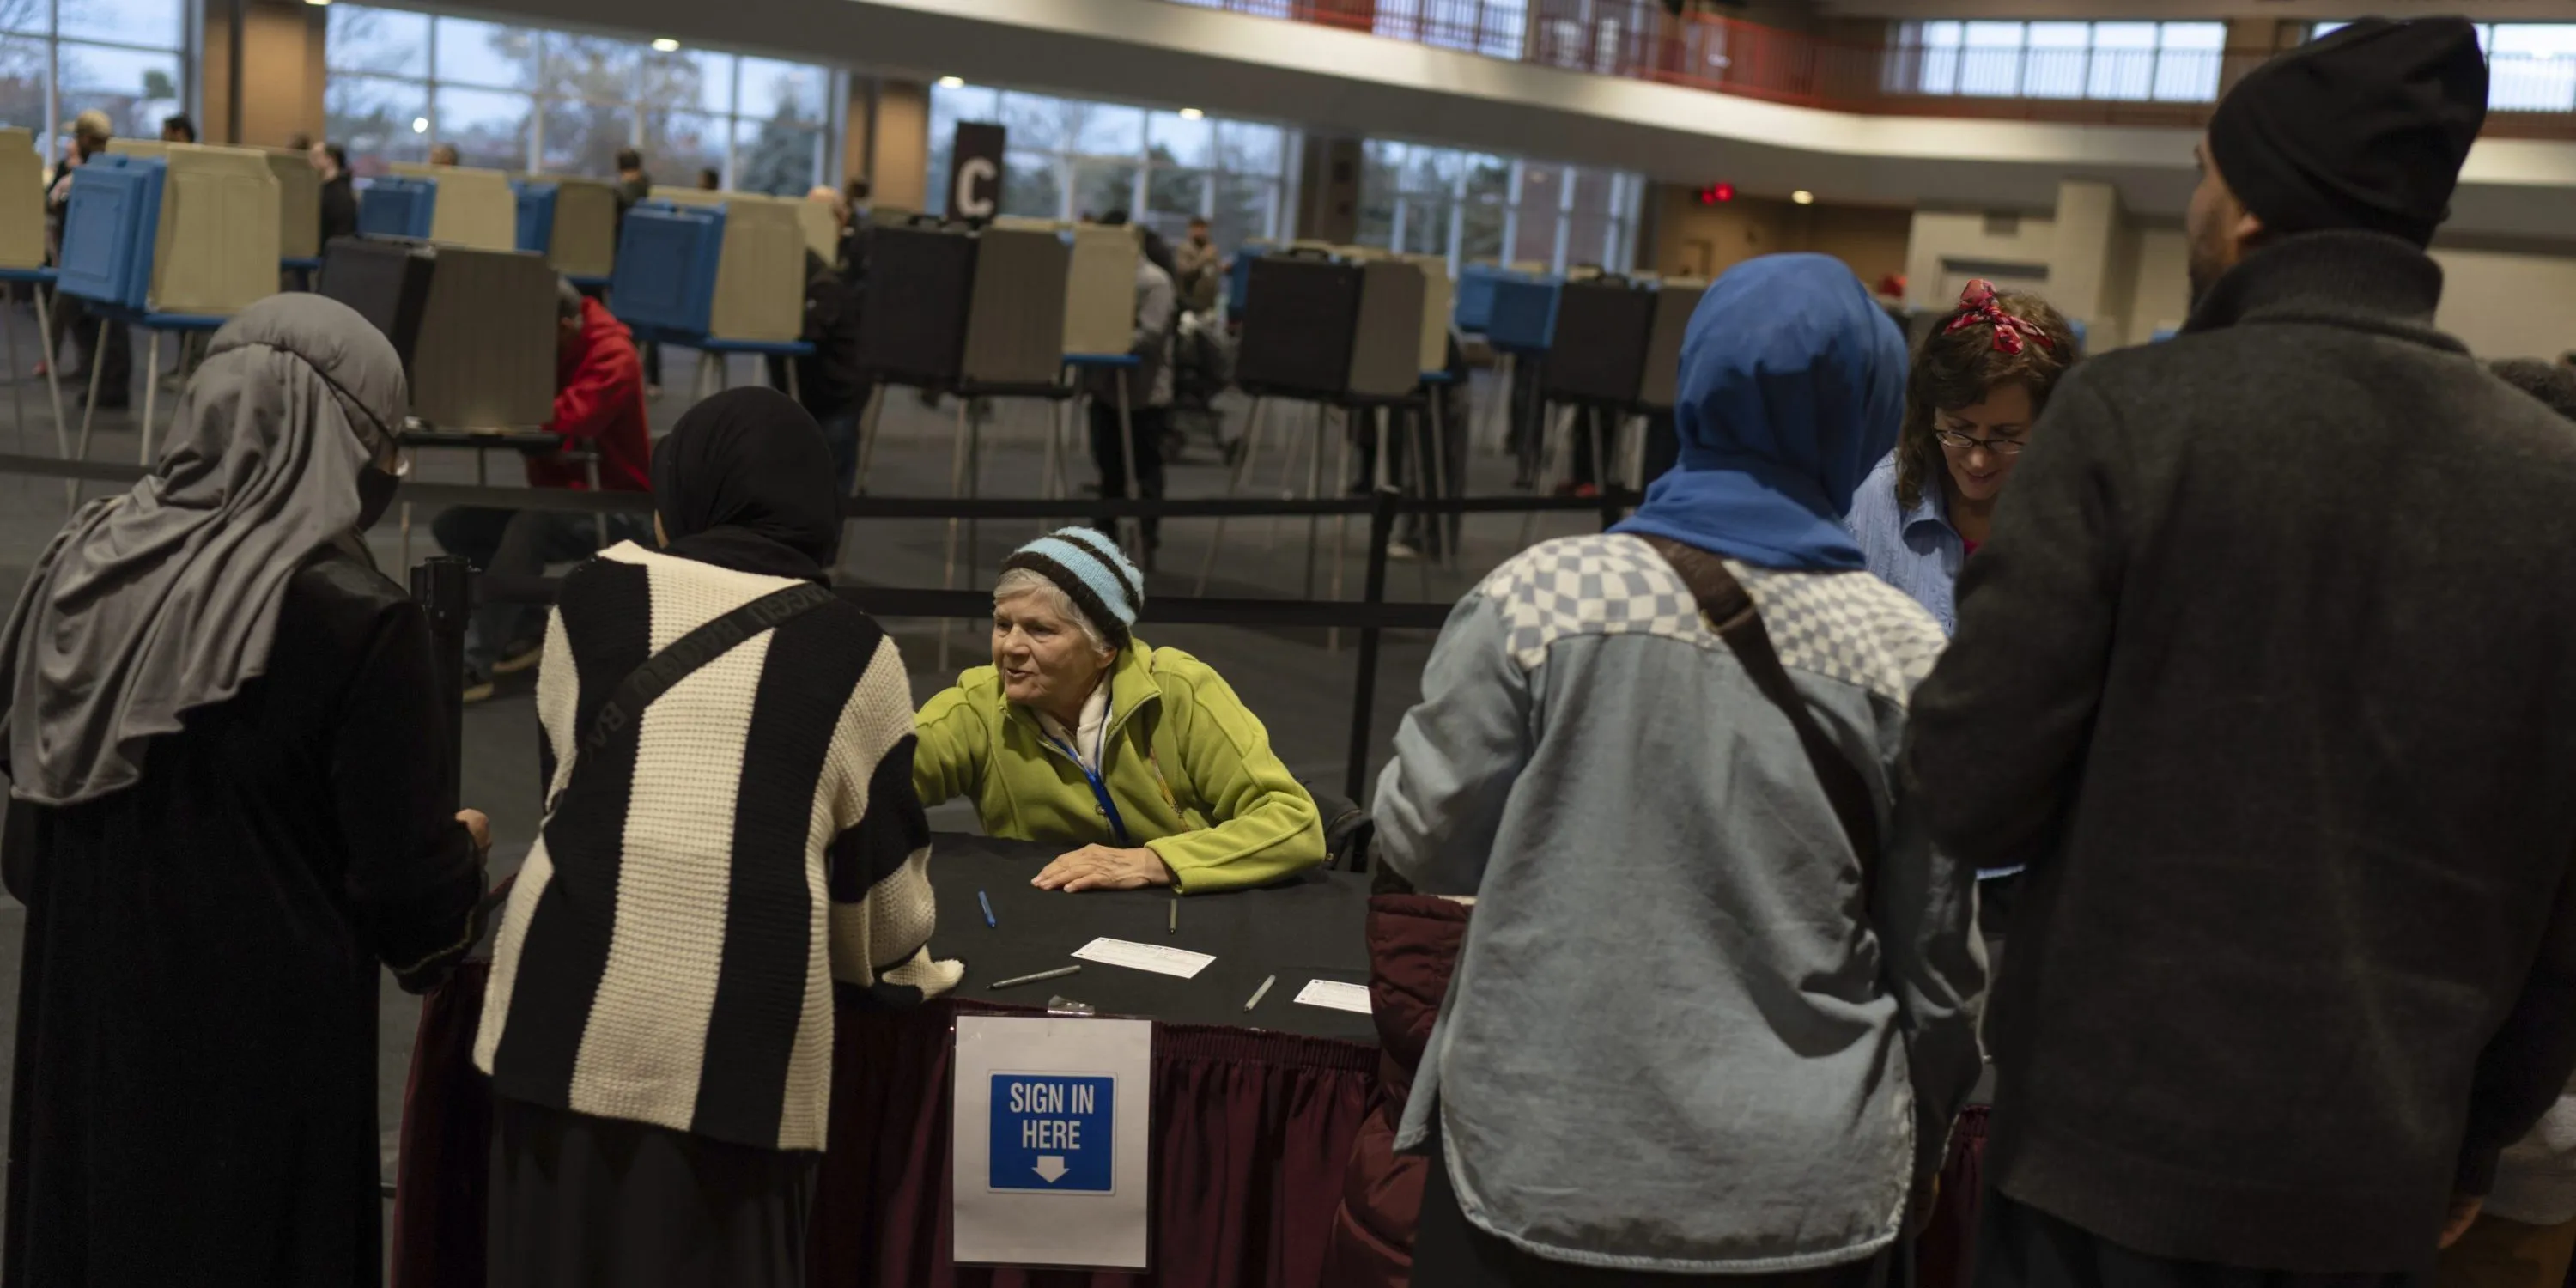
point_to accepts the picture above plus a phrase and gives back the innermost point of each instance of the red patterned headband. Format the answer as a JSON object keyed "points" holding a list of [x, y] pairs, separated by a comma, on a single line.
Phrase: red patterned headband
{"points": [[1978, 301]]}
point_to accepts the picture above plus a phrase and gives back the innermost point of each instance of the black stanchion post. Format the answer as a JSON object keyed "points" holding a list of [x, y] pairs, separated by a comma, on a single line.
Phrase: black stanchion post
{"points": [[1364, 688], [443, 586]]}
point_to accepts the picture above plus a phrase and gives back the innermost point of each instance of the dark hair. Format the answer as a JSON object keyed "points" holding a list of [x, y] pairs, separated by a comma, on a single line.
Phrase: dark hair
{"points": [[629, 159], [567, 301], [710, 180], [1958, 368], [299, 141], [855, 191], [180, 124], [339, 156], [2553, 383], [1114, 219]]}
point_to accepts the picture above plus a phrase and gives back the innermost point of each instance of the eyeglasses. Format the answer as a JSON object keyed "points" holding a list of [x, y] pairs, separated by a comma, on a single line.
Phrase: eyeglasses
{"points": [[1961, 442]]}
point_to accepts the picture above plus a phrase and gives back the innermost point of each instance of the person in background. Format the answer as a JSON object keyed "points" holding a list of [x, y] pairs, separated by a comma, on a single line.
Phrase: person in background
{"points": [[299, 142], [1148, 396], [2525, 1236], [854, 219], [178, 129], [709, 181], [744, 848], [599, 407], [339, 193], [1979, 381], [91, 132], [2296, 954], [1197, 266], [633, 185], [828, 380], [228, 767], [443, 154], [1728, 1050], [1081, 734]]}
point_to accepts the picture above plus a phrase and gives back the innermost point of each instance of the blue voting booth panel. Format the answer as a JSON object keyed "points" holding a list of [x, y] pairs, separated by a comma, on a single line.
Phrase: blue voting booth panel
{"points": [[397, 207], [1474, 310], [2163, 333], [1054, 1132], [666, 267], [109, 226], [1524, 315], [2077, 326], [536, 215]]}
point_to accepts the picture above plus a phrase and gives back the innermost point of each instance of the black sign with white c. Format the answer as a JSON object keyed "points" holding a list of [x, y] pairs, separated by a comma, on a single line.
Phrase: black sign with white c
{"points": [[975, 171]]}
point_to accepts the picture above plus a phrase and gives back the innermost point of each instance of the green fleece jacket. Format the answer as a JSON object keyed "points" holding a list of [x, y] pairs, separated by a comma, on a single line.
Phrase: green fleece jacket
{"points": [[1189, 766]]}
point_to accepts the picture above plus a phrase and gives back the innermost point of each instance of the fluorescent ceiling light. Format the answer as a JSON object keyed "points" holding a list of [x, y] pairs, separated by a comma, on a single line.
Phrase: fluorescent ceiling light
{"points": [[420, 125], [666, 45], [1191, 114], [1803, 197], [952, 82]]}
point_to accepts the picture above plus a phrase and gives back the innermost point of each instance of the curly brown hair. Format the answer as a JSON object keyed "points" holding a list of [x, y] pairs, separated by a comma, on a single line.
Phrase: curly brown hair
{"points": [[1955, 369]]}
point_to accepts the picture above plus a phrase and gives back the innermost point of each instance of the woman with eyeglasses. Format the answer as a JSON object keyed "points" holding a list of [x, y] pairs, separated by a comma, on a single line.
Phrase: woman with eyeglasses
{"points": [[1978, 383]]}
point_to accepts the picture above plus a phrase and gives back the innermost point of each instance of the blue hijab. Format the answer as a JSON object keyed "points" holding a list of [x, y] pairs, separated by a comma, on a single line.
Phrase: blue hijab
{"points": [[1792, 385]]}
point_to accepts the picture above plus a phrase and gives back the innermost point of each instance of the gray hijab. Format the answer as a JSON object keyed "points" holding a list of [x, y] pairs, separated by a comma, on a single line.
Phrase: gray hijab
{"points": [[165, 599]]}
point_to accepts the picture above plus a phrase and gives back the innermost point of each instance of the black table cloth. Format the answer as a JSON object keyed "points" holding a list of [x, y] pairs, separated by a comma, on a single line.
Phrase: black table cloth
{"points": [[1251, 1129]]}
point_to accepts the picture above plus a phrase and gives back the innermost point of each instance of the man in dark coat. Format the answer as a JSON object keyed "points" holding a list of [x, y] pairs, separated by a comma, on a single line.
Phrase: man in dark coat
{"points": [[2268, 672]]}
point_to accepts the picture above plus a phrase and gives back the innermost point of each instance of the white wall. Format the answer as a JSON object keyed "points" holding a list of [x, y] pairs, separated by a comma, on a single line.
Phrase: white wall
{"points": [[2509, 304], [2162, 295], [1944, 236]]}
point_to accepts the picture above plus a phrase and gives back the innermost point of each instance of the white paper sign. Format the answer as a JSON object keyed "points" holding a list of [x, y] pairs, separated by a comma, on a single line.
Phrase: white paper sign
{"points": [[1339, 997], [1049, 1146], [1152, 957]]}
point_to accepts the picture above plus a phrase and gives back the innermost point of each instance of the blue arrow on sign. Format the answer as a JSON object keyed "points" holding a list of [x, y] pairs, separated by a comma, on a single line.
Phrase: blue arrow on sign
{"points": [[1053, 1133]]}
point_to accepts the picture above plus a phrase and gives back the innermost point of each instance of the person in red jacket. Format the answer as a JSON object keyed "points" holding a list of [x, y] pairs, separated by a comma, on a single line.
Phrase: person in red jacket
{"points": [[599, 408]]}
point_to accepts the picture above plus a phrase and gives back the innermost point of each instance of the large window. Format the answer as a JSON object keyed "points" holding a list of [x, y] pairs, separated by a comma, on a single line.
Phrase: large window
{"points": [[2531, 66], [1471, 206], [60, 58], [2170, 62], [514, 98], [1070, 159]]}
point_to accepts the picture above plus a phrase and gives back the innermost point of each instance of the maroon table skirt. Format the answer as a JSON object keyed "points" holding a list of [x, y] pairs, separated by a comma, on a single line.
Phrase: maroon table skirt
{"points": [[1251, 1130], [1252, 1135]]}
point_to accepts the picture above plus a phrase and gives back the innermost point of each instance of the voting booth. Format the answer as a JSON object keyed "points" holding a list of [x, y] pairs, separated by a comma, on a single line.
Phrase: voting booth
{"points": [[22, 260], [1100, 289], [450, 205], [758, 291], [1676, 298], [299, 204], [572, 222], [475, 328]]}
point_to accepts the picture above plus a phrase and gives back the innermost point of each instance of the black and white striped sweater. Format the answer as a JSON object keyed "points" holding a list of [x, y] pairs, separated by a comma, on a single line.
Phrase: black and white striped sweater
{"points": [[669, 949]]}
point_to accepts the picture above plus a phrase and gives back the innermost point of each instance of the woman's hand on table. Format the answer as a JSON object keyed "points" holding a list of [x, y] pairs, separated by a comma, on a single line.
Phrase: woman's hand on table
{"points": [[1100, 867]]}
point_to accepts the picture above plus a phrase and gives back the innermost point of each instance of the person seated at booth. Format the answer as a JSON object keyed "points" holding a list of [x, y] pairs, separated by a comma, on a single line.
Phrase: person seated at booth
{"points": [[444, 154], [1081, 734], [178, 129], [599, 405]]}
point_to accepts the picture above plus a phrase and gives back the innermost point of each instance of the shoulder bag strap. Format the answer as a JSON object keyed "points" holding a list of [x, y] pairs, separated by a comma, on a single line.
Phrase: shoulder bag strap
{"points": [[691, 651], [1731, 613]]}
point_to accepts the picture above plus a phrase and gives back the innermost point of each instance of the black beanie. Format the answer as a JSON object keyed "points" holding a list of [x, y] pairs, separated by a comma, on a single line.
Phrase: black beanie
{"points": [[2365, 128]]}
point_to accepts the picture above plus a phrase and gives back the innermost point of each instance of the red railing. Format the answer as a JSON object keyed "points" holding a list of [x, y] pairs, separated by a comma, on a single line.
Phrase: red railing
{"points": [[1637, 39]]}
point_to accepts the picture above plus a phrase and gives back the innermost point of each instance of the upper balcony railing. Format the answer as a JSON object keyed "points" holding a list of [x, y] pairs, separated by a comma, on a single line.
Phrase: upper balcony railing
{"points": [[2531, 96]]}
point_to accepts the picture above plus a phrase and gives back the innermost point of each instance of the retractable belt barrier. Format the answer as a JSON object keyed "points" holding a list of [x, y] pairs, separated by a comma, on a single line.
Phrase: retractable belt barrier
{"points": [[447, 590]]}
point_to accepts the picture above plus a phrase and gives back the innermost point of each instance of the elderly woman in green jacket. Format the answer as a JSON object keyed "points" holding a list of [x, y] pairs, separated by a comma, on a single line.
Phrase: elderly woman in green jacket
{"points": [[1079, 733]]}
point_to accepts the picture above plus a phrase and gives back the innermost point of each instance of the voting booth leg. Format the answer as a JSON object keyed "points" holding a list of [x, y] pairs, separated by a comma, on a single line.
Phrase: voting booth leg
{"points": [[1418, 481], [957, 466], [1297, 442], [868, 436], [1364, 687], [1233, 486], [89, 415], [53, 385], [1498, 407], [17, 396], [1601, 451], [790, 364], [151, 391], [1132, 530], [598, 522], [1453, 527], [1342, 522]]}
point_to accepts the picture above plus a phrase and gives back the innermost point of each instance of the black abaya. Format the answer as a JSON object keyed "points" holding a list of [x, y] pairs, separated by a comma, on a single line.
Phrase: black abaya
{"points": [[195, 1086]]}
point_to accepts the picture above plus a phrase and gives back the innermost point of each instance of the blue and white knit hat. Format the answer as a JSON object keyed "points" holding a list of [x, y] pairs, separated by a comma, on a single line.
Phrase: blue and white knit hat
{"points": [[1093, 572]]}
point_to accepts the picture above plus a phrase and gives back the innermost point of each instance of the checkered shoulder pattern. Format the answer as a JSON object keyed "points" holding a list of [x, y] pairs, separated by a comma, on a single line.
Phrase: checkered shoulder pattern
{"points": [[1846, 626]]}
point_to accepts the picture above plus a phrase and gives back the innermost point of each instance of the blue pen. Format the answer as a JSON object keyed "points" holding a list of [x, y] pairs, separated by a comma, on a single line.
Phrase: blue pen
{"points": [[988, 909]]}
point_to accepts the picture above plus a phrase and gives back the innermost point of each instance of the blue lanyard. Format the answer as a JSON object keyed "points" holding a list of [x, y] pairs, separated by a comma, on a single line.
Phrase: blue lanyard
{"points": [[1099, 789]]}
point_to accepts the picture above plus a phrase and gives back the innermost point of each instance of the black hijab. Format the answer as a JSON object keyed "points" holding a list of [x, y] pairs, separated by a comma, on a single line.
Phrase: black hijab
{"points": [[745, 482]]}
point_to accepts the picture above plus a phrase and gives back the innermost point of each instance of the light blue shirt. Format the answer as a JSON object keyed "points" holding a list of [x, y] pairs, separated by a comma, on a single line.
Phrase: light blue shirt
{"points": [[1913, 549]]}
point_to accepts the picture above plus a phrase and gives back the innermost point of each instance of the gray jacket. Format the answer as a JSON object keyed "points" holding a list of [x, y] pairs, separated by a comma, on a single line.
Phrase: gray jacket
{"points": [[1149, 383], [1676, 1041]]}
